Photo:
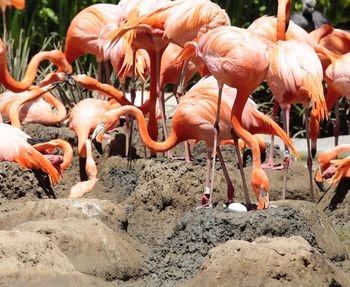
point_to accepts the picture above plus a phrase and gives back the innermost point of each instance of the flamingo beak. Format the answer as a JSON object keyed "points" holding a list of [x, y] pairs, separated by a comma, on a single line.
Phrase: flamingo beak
{"points": [[319, 179], [313, 148], [264, 201], [69, 79], [97, 137]]}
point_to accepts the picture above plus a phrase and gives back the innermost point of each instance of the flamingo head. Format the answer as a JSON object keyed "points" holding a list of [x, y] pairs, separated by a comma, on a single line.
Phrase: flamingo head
{"points": [[58, 58], [260, 184], [97, 136], [314, 128]]}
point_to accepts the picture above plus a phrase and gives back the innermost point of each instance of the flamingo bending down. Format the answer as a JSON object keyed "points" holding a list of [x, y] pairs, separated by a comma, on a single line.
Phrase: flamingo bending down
{"points": [[30, 107], [14, 147], [342, 170], [79, 189], [57, 57], [326, 167], [83, 119], [194, 118]]}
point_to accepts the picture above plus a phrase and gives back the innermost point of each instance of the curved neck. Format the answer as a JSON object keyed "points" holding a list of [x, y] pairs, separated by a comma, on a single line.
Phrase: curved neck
{"points": [[283, 15], [111, 119], [29, 77], [58, 143], [108, 90], [83, 132], [90, 167], [60, 115], [14, 109]]}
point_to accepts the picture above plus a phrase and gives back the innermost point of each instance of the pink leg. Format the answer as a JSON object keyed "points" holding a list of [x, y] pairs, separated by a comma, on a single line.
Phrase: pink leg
{"points": [[309, 158], [336, 130], [207, 193], [230, 188], [270, 164]]}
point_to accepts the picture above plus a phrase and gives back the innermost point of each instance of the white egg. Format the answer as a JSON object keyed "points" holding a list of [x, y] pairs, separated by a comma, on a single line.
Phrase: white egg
{"points": [[236, 207]]}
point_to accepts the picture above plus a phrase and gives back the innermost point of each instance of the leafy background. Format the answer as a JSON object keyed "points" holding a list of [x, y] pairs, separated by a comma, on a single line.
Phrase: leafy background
{"points": [[42, 25]]}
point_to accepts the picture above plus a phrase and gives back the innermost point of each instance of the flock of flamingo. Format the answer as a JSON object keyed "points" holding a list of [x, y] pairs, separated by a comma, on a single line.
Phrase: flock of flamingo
{"points": [[169, 42]]}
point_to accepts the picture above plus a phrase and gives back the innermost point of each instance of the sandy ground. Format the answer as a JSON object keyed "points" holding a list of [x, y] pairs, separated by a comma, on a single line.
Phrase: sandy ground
{"points": [[140, 226]]}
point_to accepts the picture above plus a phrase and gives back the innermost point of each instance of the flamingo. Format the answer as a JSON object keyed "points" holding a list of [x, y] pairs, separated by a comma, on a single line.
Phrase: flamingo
{"points": [[172, 21], [55, 56], [335, 62], [79, 189], [83, 119], [237, 58], [342, 170], [30, 107], [194, 118], [18, 4], [295, 76], [327, 168], [15, 148]]}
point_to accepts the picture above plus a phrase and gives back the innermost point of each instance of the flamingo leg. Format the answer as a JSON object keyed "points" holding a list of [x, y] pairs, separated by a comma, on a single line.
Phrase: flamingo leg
{"points": [[240, 164], [336, 130], [4, 26], [108, 73], [309, 158], [230, 188], [142, 101], [133, 96], [206, 193], [160, 97], [270, 164]]}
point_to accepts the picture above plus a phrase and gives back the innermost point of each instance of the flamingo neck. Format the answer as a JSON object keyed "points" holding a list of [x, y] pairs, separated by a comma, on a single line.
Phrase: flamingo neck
{"points": [[29, 77], [55, 117], [14, 109], [283, 15], [111, 119]]}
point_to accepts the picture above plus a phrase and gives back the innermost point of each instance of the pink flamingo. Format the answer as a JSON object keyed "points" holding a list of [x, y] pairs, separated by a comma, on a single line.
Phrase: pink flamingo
{"points": [[194, 118]]}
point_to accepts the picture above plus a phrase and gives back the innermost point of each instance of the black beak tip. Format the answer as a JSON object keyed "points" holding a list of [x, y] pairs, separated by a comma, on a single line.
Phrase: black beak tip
{"points": [[313, 152], [70, 79], [98, 146]]}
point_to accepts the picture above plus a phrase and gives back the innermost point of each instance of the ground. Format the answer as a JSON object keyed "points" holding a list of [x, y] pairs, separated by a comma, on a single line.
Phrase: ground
{"points": [[140, 227]]}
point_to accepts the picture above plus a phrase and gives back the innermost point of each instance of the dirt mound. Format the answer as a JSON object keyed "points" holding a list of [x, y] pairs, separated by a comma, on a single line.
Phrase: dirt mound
{"points": [[30, 259], [267, 262], [105, 253], [21, 183]]}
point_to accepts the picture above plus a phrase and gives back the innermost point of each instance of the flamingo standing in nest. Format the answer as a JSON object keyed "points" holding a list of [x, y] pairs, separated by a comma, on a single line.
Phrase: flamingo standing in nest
{"points": [[194, 118]]}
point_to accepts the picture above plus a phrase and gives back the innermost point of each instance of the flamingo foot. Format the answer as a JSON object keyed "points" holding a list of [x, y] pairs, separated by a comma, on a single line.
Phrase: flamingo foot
{"points": [[205, 202], [272, 165]]}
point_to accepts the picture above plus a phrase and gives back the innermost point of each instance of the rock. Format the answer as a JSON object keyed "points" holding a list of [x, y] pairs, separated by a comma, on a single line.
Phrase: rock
{"points": [[29, 259], [267, 262], [91, 246]]}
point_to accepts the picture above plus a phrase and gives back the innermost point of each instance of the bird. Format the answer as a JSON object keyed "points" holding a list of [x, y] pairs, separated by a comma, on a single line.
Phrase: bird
{"points": [[80, 188], [309, 18], [32, 106], [238, 58], [84, 33], [335, 60], [335, 40], [170, 21], [295, 76], [326, 168], [57, 57], [83, 119], [194, 118], [14, 147], [342, 170]]}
